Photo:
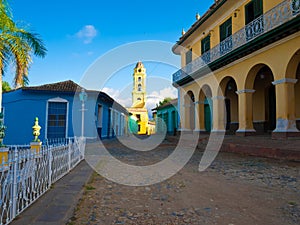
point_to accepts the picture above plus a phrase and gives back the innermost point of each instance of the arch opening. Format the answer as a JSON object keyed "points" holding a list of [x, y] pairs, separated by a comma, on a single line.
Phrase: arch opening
{"points": [[189, 102], [264, 101], [205, 109]]}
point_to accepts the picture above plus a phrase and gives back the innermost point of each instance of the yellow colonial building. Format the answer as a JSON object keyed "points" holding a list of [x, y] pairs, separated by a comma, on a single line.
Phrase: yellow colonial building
{"points": [[240, 69], [138, 108]]}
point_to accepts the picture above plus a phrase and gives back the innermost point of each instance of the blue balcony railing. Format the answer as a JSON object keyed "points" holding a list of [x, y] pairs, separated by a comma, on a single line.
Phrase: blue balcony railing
{"points": [[280, 14]]}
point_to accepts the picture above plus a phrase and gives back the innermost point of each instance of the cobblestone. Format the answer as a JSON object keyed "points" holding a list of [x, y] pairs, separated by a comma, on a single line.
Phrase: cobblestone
{"points": [[235, 189]]}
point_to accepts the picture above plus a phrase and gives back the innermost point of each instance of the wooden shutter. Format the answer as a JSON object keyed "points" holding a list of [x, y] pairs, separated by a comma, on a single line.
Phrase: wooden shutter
{"points": [[226, 29], [188, 57], [253, 10], [258, 8], [205, 44]]}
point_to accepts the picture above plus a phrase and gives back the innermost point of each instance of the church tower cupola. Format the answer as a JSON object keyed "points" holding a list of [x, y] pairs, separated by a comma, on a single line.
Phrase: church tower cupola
{"points": [[139, 86]]}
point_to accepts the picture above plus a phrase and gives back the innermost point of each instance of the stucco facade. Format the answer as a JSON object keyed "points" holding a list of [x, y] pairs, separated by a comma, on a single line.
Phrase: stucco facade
{"points": [[58, 109], [242, 60]]}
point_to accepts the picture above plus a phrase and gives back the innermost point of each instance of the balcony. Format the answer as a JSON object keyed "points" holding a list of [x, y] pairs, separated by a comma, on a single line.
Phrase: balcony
{"points": [[281, 14]]}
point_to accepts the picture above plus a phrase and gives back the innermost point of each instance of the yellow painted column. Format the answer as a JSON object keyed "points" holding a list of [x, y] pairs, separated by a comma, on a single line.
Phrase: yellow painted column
{"points": [[245, 112], [3, 158], [219, 112], [35, 147], [185, 119], [285, 107]]}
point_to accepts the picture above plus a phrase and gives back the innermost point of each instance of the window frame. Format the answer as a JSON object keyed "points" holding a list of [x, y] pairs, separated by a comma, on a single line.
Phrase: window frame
{"points": [[57, 100], [204, 41], [189, 56], [257, 7], [224, 29]]}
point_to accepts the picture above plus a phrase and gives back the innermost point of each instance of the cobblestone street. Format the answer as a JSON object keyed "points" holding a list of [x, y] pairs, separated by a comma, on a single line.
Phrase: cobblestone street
{"points": [[235, 189]]}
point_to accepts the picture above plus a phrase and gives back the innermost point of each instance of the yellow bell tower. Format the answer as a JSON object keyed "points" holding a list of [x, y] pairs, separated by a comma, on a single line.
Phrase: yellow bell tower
{"points": [[139, 86], [138, 108]]}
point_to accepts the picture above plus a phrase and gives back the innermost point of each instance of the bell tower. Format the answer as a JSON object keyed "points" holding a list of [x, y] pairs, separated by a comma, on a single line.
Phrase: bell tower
{"points": [[139, 86]]}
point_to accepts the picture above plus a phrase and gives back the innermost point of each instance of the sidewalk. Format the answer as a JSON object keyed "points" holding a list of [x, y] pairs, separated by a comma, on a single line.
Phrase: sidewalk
{"points": [[257, 145], [263, 146], [57, 205]]}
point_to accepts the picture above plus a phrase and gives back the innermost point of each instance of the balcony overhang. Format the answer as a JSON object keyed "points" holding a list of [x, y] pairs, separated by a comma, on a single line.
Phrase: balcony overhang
{"points": [[176, 48], [198, 69]]}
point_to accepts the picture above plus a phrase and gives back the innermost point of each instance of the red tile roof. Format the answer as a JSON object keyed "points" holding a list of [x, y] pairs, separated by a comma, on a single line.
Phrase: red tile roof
{"points": [[64, 86]]}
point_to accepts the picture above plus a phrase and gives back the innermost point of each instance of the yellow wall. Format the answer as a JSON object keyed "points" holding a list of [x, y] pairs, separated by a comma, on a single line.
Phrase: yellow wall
{"points": [[269, 4], [297, 94], [209, 27], [277, 57], [251, 103]]}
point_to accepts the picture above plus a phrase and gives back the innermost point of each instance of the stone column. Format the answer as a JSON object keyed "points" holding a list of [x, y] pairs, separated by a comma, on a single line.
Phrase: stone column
{"points": [[197, 117], [185, 119], [219, 112], [245, 113], [285, 108]]}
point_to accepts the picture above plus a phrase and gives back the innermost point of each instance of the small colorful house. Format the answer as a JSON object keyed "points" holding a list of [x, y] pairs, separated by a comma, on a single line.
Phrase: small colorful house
{"points": [[59, 110], [167, 117]]}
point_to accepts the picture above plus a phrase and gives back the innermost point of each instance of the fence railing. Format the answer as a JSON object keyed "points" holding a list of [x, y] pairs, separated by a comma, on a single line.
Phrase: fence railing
{"points": [[28, 174], [280, 14]]}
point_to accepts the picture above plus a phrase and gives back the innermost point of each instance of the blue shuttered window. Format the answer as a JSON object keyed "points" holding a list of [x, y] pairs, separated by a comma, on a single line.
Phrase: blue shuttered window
{"points": [[57, 114]]}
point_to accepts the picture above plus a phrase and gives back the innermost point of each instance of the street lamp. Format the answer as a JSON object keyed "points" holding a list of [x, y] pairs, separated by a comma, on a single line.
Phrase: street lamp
{"points": [[83, 98]]}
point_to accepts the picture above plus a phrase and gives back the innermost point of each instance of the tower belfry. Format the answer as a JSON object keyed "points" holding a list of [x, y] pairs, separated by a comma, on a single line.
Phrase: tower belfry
{"points": [[138, 109], [139, 86]]}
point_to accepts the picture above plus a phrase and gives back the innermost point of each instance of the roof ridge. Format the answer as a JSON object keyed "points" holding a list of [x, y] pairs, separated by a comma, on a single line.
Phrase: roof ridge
{"points": [[64, 86]]}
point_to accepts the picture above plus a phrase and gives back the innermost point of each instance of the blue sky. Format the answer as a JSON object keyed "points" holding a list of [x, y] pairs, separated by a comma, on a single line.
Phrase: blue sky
{"points": [[77, 33]]}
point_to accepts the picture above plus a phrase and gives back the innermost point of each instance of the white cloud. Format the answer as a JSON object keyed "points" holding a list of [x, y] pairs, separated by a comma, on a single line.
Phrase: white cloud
{"points": [[152, 99], [115, 94], [157, 96], [87, 33]]}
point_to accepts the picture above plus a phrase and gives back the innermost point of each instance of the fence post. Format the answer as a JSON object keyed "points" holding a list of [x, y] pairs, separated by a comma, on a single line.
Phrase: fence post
{"points": [[15, 184], [49, 150], [82, 142], [69, 154]]}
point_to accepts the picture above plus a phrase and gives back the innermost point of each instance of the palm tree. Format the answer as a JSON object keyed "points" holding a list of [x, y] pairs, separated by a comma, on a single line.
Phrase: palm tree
{"points": [[17, 46], [5, 86]]}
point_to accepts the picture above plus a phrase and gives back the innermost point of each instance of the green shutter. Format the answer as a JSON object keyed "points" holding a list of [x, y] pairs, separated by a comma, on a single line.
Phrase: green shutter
{"points": [[253, 10], [249, 13], [258, 8], [205, 44], [188, 56], [226, 29]]}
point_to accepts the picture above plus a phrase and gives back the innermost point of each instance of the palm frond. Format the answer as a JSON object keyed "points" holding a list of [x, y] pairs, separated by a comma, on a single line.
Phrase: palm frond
{"points": [[17, 45], [35, 43]]}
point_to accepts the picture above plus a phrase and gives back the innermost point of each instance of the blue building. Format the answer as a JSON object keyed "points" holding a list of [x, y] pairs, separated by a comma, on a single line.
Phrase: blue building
{"points": [[59, 110]]}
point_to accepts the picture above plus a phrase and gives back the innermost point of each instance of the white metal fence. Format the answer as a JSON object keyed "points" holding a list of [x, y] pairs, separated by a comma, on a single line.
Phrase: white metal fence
{"points": [[29, 174]]}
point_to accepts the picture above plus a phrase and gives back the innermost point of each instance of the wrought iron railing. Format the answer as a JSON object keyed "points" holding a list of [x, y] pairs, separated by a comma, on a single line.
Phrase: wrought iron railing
{"points": [[280, 14], [27, 174]]}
